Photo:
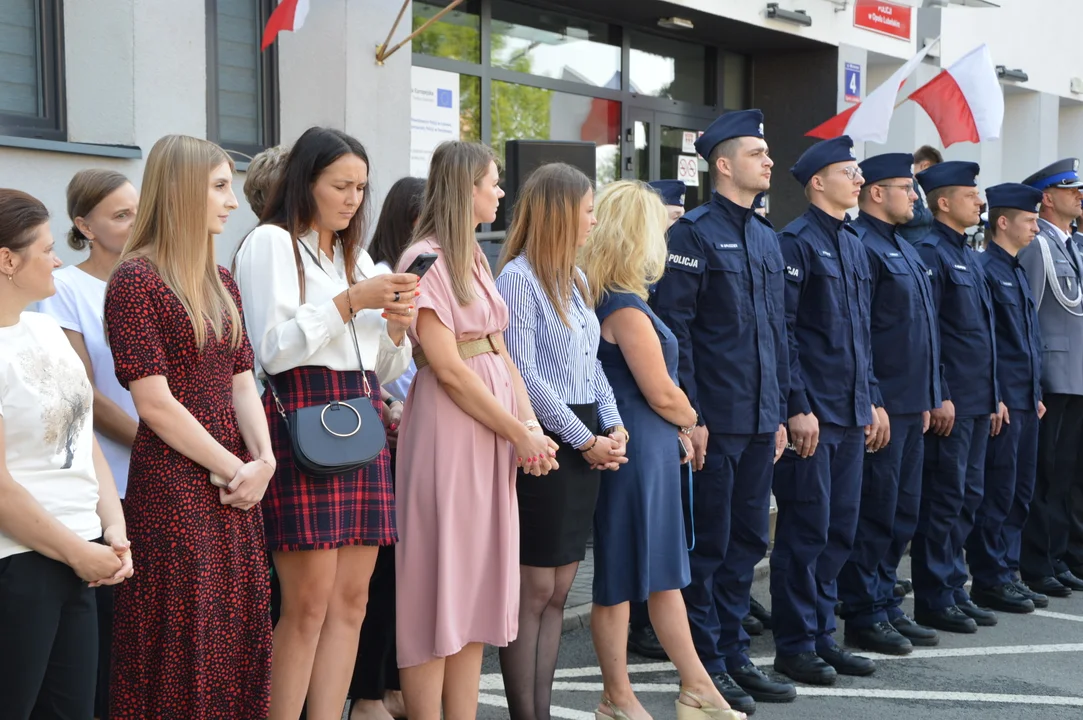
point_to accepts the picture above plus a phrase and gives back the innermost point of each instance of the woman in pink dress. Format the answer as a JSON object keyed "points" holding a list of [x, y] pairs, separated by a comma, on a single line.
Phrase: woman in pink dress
{"points": [[467, 426]]}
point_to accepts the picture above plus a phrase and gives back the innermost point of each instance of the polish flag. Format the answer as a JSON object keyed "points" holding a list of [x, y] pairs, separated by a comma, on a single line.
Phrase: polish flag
{"points": [[869, 120], [289, 16], [965, 101]]}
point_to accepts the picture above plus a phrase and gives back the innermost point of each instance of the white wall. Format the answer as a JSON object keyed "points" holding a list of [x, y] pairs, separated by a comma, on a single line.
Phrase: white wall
{"points": [[150, 79]]}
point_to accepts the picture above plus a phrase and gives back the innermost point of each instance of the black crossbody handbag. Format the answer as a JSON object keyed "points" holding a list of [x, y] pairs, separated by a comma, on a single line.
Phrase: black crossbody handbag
{"points": [[335, 437]]}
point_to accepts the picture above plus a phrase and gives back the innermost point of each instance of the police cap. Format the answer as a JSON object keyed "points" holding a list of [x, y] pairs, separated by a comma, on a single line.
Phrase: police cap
{"points": [[951, 173], [886, 166], [672, 191], [1063, 174], [822, 154], [740, 123], [1014, 195]]}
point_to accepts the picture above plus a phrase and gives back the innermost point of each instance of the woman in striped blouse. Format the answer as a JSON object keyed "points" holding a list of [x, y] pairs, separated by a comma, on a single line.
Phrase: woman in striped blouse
{"points": [[553, 339]]}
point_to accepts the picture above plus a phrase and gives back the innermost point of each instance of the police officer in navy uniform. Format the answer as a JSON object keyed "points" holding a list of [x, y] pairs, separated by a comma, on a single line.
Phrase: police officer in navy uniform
{"points": [[831, 414], [954, 467], [723, 298], [1012, 456], [642, 639], [906, 361], [1054, 267]]}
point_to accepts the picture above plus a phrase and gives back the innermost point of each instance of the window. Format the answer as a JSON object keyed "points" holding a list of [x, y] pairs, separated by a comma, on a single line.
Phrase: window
{"points": [[668, 68], [554, 45], [242, 83], [456, 36], [31, 69], [520, 112]]}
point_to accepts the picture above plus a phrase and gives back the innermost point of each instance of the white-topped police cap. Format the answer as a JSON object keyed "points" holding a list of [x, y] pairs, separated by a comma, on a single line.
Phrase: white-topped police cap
{"points": [[1062, 174], [1015, 196], [672, 191], [739, 123], [822, 154]]}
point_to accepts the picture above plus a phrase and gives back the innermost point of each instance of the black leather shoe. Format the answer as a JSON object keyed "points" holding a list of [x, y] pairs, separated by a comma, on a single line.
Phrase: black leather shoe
{"points": [[881, 638], [903, 588], [1004, 598], [762, 688], [1039, 600], [918, 635], [950, 619], [984, 618], [1069, 580], [643, 641], [734, 694], [758, 611], [1049, 586], [806, 667], [846, 663], [751, 625]]}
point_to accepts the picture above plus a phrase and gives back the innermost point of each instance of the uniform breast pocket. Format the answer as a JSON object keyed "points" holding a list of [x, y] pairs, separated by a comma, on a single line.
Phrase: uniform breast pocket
{"points": [[1006, 295], [896, 265], [961, 292], [824, 289], [1067, 278], [729, 281]]}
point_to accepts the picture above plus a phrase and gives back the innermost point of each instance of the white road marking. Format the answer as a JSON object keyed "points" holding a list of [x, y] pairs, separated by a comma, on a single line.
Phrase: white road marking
{"points": [[1057, 615], [554, 710], [1069, 701]]}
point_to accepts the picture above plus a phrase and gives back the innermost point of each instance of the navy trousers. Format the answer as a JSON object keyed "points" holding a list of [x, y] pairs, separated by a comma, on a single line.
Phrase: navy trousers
{"points": [[952, 483], [818, 502], [731, 515], [890, 496], [1011, 462]]}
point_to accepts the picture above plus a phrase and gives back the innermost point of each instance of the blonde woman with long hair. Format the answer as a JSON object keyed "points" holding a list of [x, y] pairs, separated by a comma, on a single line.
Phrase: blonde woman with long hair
{"points": [[467, 425], [639, 536], [192, 634], [553, 340]]}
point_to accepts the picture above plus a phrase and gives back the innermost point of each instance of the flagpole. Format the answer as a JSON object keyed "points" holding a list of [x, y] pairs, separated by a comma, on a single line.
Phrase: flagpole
{"points": [[382, 55], [934, 42]]}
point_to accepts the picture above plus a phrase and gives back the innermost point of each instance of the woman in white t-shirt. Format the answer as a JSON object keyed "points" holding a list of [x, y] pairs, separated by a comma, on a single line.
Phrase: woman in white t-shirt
{"points": [[102, 206], [57, 495]]}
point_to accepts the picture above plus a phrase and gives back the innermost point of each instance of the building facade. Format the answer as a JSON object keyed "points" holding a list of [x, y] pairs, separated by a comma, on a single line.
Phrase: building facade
{"points": [[95, 84]]}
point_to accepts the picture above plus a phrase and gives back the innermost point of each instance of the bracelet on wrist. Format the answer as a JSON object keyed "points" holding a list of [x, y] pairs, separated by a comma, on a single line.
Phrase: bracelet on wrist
{"points": [[619, 429], [590, 447], [532, 425], [687, 430]]}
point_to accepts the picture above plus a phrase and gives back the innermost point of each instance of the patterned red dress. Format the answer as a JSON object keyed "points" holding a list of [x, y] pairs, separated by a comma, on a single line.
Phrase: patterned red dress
{"points": [[192, 635]]}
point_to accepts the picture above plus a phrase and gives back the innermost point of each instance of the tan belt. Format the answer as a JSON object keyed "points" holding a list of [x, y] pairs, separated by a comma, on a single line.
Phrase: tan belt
{"points": [[467, 350]]}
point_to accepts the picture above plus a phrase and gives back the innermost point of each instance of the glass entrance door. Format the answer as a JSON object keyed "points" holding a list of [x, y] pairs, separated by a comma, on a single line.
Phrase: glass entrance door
{"points": [[660, 146]]}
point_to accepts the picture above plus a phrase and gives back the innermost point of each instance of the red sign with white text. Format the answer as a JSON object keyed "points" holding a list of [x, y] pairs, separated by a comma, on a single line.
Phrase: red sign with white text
{"points": [[884, 17]]}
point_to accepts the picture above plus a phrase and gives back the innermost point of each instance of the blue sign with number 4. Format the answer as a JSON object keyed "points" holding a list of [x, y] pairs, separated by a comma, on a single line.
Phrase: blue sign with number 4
{"points": [[853, 82]]}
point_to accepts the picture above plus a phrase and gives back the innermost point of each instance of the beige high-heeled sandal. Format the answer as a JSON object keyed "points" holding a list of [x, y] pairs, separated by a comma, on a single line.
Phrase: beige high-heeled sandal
{"points": [[618, 714], [705, 711]]}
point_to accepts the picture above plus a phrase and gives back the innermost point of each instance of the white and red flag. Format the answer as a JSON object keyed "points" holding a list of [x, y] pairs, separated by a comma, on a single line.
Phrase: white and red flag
{"points": [[289, 16], [965, 101], [869, 119]]}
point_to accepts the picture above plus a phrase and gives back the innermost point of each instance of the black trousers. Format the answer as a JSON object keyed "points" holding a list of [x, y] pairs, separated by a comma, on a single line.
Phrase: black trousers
{"points": [[376, 669], [104, 598], [1060, 462], [49, 641]]}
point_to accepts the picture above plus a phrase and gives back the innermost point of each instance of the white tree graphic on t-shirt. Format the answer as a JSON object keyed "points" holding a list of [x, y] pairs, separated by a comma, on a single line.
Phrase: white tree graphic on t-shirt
{"points": [[65, 394]]}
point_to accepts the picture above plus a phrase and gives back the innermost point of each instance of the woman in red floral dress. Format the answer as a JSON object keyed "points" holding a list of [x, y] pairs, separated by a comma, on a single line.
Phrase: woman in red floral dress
{"points": [[192, 636]]}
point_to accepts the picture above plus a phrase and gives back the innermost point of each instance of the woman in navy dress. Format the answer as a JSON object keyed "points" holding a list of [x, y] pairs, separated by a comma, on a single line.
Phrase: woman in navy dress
{"points": [[639, 539]]}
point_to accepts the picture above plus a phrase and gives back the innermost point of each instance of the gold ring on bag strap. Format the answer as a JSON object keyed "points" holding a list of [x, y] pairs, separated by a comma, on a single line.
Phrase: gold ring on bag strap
{"points": [[467, 350]]}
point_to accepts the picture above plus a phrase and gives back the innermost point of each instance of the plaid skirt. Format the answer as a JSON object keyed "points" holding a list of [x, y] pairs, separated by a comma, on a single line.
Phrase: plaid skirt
{"points": [[323, 513]]}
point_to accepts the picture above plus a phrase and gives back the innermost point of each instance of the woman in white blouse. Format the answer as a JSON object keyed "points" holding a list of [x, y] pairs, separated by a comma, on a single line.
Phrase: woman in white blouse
{"points": [[102, 205], [304, 279]]}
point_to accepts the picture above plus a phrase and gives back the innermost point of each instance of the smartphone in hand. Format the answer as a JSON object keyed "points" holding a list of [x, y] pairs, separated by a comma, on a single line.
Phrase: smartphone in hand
{"points": [[421, 264]]}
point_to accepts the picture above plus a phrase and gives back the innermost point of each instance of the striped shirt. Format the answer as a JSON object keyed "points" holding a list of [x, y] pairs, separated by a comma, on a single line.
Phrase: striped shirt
{"points": [[559, 364]]}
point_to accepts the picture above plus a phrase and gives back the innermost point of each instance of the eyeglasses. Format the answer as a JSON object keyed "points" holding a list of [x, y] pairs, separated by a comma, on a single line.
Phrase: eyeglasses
{"points": [[907, 188], [852, 172]]}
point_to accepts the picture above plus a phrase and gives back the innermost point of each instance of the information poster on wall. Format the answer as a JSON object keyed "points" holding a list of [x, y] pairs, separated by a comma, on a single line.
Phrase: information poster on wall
{"points": [[434, 114], [688, 170]]}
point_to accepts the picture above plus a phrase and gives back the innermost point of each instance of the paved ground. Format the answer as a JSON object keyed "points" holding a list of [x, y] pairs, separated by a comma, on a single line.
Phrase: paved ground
{"points": [[1028, 667]]}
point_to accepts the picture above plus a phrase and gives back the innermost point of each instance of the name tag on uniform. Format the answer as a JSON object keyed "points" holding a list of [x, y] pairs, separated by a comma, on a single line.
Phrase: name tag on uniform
{"points": [[1005, 283], [793, 272], [961, 267], [929, 272], [894, 254], [729, 246], [825, 253], [1060, 260], [684, 260]]}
